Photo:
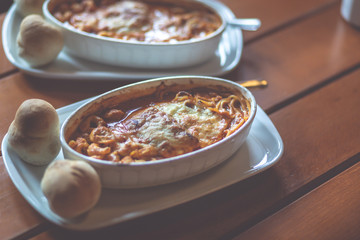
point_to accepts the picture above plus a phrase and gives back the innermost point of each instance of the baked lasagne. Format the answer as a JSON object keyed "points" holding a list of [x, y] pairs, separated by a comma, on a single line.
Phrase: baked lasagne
{"points": [[145, 21], [161, 125]]}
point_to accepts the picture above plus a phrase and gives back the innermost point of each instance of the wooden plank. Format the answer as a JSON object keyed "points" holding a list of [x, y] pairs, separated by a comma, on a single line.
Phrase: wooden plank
{"points": [[273, 17], [320, 132], [332, 211], [300, 57], [5, 65], [16, 213]]}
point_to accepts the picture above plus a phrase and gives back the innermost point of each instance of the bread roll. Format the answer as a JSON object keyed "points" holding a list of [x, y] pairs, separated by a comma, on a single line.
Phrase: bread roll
{"points": [[71, 187], [39, 42], [27, 7], [34, 133]]}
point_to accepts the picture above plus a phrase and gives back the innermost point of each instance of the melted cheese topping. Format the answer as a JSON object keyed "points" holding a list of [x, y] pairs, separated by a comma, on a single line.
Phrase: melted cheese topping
{"points": [[138, 21], [200, 122], [156, 130], [161, 129]]}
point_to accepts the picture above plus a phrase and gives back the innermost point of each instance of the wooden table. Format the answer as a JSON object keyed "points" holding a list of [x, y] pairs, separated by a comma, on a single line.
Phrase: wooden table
{"points": [[311, 59]]}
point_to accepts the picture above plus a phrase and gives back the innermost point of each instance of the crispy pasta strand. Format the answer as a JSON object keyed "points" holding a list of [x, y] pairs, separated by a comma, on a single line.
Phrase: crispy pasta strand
{"points": [[233, 107]]}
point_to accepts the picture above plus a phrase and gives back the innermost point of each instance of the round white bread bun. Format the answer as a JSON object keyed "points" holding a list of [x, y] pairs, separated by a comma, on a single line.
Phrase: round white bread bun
{"points": [[27, 7], [39, 42], [34, 133], [71, 187]]}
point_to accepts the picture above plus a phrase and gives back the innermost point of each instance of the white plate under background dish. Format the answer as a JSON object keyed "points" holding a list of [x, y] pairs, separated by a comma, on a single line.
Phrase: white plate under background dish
{"points": [[67, 67], [262, 148]]}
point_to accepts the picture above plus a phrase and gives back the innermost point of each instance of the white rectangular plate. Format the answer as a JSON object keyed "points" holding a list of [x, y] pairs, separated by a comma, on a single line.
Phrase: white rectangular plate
{"points": [[67, 67], [262, 149]]}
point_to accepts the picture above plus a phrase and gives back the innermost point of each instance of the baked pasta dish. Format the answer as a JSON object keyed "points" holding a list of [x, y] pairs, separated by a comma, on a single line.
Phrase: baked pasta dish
{"points": [[162, 125], [144, 21]]}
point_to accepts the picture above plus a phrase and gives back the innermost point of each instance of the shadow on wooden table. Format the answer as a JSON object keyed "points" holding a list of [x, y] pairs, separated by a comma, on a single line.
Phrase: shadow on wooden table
{"points": [[5, 5]]}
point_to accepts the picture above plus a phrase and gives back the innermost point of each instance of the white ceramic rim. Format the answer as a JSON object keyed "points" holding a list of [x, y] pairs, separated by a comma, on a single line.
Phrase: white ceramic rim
{"points": [[248, 94], [72, 29]]}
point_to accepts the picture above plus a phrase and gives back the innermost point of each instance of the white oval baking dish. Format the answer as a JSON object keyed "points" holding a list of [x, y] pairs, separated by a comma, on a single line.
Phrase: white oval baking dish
{"points": [[152, 173], [124, 53]]}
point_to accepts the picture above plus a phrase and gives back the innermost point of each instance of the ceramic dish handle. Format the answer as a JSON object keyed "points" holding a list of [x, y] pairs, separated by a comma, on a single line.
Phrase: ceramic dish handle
{"points": [[249, 24]]}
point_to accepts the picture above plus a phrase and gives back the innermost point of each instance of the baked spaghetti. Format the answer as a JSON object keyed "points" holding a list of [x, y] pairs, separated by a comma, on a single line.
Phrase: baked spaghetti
{"points": [[144, 21], [161, 125]]}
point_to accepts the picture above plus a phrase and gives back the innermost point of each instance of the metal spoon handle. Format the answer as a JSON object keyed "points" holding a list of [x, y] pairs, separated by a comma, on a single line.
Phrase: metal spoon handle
{"points": [[249, 24]]}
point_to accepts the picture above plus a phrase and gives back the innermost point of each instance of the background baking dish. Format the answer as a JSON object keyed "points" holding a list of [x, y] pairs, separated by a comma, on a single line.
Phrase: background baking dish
{"points": [[118, 52]]}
